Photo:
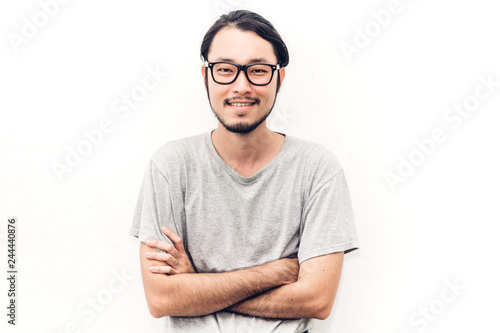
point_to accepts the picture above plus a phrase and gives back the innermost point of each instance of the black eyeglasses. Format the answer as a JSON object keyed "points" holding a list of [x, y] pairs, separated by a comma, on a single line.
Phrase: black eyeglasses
{"points": [[227, 72]]}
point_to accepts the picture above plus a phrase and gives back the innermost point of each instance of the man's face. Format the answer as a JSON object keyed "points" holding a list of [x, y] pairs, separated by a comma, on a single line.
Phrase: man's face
{"points": [[241, 106]]}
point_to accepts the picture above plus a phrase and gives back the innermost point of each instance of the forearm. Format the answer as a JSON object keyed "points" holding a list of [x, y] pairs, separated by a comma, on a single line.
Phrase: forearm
{"points": [[294, 300], [312, 296], [200, 294]]}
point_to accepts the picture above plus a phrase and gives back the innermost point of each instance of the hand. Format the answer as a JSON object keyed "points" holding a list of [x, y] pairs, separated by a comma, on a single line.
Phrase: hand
{"points": [[175, 257]]}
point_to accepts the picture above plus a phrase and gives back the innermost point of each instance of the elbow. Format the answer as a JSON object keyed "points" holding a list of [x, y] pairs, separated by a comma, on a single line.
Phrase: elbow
{"points": [[322, 315], [157, 307], [154, 310], [322, 309], [317, 303], [155, 313], [160, 307]]}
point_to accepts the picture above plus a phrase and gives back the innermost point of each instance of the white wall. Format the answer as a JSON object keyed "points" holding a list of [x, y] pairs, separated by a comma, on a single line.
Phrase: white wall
{"points": [[435, 227]]}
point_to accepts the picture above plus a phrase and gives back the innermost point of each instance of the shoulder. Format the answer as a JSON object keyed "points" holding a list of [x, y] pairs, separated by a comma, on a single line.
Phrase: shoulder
{"points": [[180, 145], [314, 156], [176, 153]]}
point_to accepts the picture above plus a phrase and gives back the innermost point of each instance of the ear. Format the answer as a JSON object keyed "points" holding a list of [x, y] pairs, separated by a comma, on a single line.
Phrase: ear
{"points": [[282, 78], [204, 74]]}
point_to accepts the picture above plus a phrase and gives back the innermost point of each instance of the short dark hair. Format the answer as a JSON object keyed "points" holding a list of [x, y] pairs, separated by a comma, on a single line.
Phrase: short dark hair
{"points": [[245, 20]]}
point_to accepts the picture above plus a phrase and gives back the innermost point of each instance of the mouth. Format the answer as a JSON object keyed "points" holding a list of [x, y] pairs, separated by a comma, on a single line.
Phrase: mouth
{"points": [[242, 103]]}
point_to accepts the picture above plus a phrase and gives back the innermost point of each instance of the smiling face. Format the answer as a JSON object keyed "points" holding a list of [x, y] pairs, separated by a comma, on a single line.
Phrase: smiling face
{"points": [[241, 106]]}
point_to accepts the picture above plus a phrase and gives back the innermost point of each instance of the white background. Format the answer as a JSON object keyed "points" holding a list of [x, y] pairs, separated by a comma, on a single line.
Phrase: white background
{"points": [[439, 225]]}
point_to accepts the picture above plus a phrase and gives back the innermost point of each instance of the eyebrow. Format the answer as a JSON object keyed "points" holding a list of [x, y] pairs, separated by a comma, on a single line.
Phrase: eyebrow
{"points": [[252, 61]]}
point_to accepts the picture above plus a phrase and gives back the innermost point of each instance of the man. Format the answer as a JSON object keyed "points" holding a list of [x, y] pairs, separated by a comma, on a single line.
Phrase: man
{"points": [[243, 229]]}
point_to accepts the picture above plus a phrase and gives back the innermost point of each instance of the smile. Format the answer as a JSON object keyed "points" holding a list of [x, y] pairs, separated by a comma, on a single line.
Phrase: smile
{"points": [[241, 104]]}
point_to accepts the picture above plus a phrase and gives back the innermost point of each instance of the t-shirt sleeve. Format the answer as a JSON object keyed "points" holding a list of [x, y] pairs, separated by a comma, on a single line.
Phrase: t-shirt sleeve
{"points": [[154, 207], [328, 221]]}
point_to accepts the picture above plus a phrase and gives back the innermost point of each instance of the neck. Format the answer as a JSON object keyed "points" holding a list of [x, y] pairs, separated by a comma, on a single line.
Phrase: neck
{"points": [[247, 150]]}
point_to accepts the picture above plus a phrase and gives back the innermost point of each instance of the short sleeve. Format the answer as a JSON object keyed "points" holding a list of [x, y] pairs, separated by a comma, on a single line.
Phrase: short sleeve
{"points": [[154, 207], [328, 221]]}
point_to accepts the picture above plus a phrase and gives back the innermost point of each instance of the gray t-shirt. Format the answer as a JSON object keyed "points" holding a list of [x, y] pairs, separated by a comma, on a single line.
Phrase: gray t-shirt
{"points": [[298, 205]]}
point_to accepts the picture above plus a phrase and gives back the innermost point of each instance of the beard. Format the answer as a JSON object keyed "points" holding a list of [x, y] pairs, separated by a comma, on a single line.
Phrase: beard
{"points": [[242, 127]]}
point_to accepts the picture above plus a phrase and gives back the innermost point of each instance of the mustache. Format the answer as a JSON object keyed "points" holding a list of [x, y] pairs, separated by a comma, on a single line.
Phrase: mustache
{"points": [[249, 99]]}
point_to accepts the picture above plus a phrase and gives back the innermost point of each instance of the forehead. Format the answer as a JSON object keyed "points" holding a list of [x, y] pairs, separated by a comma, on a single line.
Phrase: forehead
{"points": [[242, 47]]}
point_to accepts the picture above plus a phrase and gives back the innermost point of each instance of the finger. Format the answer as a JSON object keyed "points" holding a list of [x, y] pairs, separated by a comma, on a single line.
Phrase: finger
{"points": [[163, 270], [164, 257], [162, 246], [179, 244]]}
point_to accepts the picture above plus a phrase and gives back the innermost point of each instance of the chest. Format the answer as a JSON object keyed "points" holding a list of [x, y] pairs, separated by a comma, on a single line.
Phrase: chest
{"points": [[229, 226]]}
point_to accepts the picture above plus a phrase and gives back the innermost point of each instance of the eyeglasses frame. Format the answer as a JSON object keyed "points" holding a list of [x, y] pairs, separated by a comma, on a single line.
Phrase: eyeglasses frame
{"points": [[240, 68]]}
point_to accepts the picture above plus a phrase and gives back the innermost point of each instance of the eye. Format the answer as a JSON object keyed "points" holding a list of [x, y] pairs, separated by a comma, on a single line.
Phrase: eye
{"points": [[259, 70], [225, 70]]}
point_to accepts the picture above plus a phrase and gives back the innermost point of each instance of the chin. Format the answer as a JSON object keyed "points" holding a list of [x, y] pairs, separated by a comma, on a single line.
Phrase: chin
{"points": [[240, 128]]}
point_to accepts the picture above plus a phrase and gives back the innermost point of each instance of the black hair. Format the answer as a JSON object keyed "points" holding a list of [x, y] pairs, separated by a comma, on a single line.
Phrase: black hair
{"points": [[245, 20]]}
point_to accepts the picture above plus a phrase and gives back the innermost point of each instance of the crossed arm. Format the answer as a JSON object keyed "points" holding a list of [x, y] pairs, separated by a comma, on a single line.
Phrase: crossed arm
{"points": [[279, 289]]}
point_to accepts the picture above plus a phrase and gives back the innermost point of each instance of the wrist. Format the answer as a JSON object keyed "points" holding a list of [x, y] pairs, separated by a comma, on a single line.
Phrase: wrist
{"points": [[286, 269]]}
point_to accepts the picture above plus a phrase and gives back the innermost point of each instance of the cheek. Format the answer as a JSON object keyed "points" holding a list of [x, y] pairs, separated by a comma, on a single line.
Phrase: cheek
{"points": [[218, 92], [213, 94], [267, 96]]}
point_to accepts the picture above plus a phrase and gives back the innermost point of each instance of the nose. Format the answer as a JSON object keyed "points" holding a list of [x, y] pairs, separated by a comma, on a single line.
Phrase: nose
{"points": [[242, 85]]}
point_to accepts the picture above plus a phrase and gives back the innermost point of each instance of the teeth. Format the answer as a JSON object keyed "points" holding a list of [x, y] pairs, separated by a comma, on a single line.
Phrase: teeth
{"points": [[241, 104]]}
